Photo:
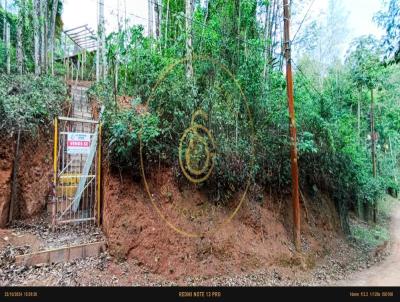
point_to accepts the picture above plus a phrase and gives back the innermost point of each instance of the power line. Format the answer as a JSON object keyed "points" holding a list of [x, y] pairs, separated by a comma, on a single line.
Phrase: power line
{"points": [[131, 14], [308, 80], [301, 24]]}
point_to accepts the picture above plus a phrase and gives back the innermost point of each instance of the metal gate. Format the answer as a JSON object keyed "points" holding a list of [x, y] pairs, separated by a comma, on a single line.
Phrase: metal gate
{"points": [[77, 154]]}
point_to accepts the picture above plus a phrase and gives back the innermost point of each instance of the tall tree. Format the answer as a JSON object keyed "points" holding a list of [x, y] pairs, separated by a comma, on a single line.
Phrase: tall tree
{"points": [[52, 31], [7, 40], [189, 38], [166, 24], [150, 19], [158, 17], [8, 48], [4, 20], [43, 35], [366, 70], [20, 32], [389, 19], [324, 36], [36, 35], [101, 59]]}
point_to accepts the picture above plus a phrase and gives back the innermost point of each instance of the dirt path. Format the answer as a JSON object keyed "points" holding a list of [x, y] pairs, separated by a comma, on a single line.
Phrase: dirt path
{"points": [[386, 273]]}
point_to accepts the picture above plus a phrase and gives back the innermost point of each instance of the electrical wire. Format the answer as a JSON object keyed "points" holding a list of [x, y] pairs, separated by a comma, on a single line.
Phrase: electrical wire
{"points": [[301, 24], [308, 80]]}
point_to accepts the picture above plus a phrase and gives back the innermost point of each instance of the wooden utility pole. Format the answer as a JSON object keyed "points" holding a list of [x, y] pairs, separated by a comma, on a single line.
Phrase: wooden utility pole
{"points": [[292, 128], [373, 147]]}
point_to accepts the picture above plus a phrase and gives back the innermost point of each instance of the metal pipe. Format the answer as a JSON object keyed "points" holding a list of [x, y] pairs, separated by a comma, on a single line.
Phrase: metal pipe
{"points": [[99, 177]]}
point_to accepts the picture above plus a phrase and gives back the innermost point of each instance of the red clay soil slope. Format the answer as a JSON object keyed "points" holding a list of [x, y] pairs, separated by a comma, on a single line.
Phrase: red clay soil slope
{"points": [[6, 165], [34, 175], [258, 236]]}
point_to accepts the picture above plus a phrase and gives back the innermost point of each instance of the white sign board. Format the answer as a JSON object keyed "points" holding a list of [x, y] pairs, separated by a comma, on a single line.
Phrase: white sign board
{"points": [[78, 143]]}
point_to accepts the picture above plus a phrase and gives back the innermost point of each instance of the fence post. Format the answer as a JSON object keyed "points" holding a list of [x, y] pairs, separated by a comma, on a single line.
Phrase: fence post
{"points": [[55, 161], [99, 177]]}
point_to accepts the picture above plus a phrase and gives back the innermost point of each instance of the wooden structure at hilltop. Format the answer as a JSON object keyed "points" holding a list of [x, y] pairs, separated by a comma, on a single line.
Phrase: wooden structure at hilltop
{"points": [[84, 39], [78, 42]]}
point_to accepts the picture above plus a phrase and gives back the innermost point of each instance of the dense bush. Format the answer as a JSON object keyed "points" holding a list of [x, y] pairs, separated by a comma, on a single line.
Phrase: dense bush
{"points": [[27, 101], [334, 151]]}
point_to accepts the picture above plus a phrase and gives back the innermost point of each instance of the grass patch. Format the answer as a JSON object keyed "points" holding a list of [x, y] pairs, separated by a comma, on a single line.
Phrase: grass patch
{"points": [[370, 236], [386, 205]]}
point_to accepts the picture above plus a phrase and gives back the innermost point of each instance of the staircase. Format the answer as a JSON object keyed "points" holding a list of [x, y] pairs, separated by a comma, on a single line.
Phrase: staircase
{"points": [[70, 167]]}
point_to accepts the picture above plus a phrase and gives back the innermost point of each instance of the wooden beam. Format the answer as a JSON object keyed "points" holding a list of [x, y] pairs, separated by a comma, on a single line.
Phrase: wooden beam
{"points": [[61, 255], [72, 29]]}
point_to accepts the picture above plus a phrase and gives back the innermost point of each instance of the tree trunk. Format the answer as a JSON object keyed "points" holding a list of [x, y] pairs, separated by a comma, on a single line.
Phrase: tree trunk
{"points": [[150, 24], [157, 11], [46, 35], [103, 42], [189, 40], [207, 3], [101, 55], [8, 48], [52, 34], [166, 25], [359, 116], [6, 38], [36, 35], [267, 31], [4, 21], [373, 148], [43, 37], [20, 29]]}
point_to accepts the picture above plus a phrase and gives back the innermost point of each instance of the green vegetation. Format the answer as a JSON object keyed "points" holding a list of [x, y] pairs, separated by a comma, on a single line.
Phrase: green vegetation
{"points": [[225, 58], [334, 136], [28, 102], [371, 236]]}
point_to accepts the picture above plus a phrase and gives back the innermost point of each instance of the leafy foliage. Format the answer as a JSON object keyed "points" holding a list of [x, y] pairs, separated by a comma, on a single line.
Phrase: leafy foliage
{"points": [[27, 102], [333, 155], [389, 19]]}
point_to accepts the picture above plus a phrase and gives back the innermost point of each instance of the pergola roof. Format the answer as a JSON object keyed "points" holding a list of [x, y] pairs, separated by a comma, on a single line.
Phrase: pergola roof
{"points": [[83, 37]]}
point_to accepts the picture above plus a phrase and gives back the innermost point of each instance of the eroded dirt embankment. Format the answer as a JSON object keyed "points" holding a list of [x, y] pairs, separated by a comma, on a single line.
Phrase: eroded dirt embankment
{"points": [[6, 165], [258, 236], [34, 175]]}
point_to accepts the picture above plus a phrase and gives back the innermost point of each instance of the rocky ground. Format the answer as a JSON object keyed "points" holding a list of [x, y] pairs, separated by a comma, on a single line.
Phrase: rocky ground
{"points": [[30, 236], [107, 271]]}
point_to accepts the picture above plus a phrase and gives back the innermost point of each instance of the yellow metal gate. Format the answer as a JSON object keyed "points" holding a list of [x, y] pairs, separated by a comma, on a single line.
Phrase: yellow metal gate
{"points": [[77, 151]]}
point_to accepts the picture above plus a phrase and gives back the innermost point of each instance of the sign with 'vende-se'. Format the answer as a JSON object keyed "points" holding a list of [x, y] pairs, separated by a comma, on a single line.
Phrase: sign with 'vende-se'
{"points": [[78, 143]]}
